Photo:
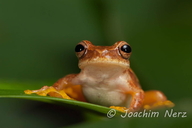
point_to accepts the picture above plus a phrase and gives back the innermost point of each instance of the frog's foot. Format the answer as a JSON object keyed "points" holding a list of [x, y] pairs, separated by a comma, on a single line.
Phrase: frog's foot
{"points": [[160, 104], [155, 99], [121, 109], [46, 90]]}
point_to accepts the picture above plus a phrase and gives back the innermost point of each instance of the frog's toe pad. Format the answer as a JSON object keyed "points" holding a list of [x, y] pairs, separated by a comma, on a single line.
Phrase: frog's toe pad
{"points": [[51, 91], [42, 92], [121, 109], [160, 104]]}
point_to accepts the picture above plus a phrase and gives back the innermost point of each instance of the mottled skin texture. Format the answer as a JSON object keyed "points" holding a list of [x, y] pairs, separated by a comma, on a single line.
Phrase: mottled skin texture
{"points": [[105, 79]]}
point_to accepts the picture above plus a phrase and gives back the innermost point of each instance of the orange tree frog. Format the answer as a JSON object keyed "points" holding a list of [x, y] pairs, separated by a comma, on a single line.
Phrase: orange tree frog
{"points": [[105, 79]]}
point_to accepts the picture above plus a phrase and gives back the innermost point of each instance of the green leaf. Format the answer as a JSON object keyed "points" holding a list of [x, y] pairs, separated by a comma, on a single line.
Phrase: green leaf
{"points": [[5, 93]]}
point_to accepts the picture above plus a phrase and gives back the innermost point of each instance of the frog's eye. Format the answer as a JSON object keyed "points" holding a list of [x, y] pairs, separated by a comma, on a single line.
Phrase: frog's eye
{"points": [[125, 50], [80, 49]]}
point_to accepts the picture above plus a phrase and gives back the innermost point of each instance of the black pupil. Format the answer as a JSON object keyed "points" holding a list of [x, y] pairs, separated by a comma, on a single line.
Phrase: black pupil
{"points": [[126, 48], [79, 48]]}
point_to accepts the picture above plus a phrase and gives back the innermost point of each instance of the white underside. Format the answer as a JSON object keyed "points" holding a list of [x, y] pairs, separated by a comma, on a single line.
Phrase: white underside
{"points": [[106, 97], [105, 85]]}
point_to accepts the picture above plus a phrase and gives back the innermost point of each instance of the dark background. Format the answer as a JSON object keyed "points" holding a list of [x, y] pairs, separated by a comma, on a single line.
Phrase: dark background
{"points": [[37, 40]]}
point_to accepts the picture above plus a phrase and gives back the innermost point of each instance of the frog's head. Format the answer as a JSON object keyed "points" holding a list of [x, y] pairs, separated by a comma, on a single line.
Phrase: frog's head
{"points": [[115, 55]]}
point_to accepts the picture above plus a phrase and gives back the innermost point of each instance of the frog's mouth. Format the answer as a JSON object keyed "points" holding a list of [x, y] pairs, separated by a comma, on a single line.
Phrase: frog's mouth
{"points": [[103, 62]]}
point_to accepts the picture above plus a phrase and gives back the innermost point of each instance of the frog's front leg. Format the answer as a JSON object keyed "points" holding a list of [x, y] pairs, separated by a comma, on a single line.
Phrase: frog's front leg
{"points": [[136, 101], [63, 88], [152, 99]]}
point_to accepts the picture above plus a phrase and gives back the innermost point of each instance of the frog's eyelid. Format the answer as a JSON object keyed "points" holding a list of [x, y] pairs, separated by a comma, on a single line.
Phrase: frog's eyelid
{"points": [[125, 53], [81, 49]]}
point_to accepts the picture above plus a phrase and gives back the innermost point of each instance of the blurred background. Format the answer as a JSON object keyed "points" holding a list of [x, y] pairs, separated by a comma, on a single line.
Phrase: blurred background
{"points": [[37, 40]]}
